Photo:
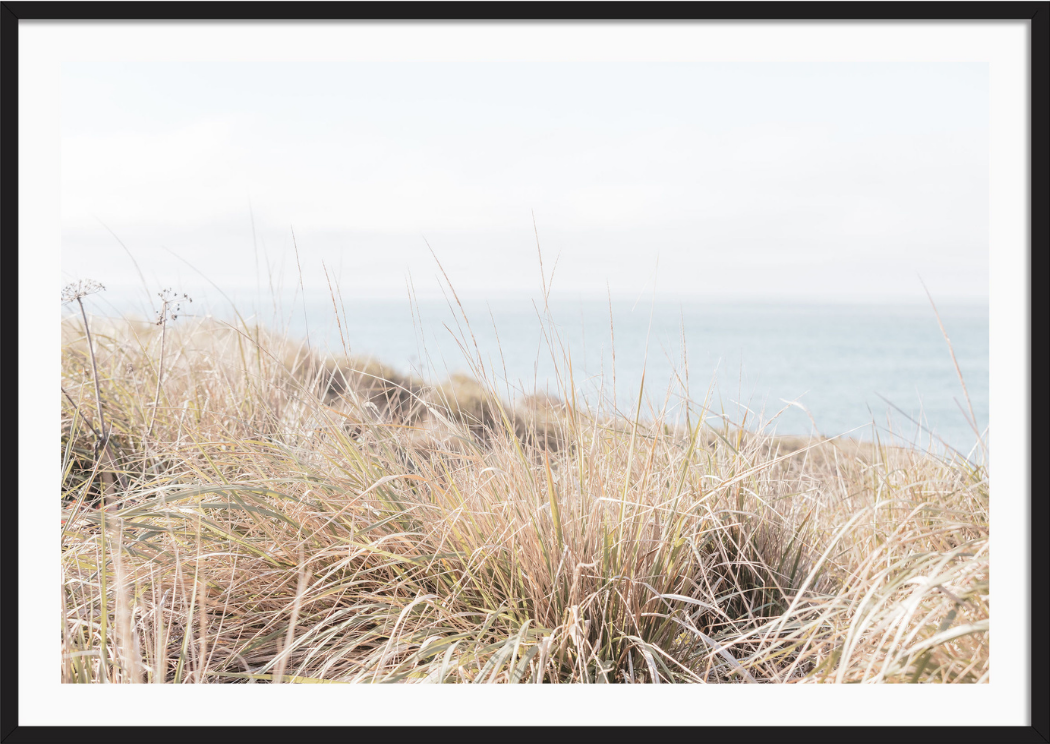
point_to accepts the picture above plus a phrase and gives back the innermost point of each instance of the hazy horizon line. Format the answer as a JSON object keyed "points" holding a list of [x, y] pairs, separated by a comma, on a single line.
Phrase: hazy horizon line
{"points": [[125, 290]]}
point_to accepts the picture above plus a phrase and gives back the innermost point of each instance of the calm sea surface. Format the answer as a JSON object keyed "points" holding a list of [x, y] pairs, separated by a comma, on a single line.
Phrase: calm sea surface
{"points": [[840, 362]]}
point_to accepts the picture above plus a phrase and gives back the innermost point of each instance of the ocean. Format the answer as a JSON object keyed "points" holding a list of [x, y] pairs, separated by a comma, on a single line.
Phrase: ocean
{"points": [[861, 370]]}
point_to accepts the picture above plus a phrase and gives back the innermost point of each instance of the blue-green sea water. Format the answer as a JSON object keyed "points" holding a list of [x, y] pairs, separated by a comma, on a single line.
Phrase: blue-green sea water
{"points": [[849, 366], [865, 370]]}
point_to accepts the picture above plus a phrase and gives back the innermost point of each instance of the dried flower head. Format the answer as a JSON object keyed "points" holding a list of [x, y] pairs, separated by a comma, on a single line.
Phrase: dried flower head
{"points": [[171, 305], [79, 289]]}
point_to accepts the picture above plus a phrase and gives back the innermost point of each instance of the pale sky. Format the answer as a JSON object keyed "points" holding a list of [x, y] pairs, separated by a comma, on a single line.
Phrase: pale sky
{"points": [[808, 182]]}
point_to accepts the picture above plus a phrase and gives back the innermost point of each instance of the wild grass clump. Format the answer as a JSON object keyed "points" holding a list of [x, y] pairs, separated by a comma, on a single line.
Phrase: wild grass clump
{"points": [[241, 508]]}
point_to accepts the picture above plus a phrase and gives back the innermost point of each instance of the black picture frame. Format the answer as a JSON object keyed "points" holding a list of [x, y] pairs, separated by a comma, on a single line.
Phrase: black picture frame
{"points": [[13, 13]]}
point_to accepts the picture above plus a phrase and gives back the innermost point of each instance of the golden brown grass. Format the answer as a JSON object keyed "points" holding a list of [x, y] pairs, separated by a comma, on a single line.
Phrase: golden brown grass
{"points": [[293, 517]]}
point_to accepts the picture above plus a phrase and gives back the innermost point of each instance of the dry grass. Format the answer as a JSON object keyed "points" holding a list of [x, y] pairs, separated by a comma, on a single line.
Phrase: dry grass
{"points": [[297, 518]]}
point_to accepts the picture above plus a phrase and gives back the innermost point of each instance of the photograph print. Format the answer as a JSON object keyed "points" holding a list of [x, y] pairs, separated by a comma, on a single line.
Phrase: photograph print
{"points": [[531, 372]]}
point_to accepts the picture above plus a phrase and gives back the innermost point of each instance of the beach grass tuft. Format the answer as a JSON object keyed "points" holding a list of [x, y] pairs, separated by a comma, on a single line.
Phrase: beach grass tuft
{"points": [[240, 508]]}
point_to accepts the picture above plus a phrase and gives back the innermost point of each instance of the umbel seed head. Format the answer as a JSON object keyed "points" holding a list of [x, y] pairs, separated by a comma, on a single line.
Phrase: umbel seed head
{"points": [[171, 305], [80, 289]]}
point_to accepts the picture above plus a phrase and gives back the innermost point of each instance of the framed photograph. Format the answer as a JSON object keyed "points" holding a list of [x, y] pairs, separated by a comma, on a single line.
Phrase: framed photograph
{"points": [[655, 359]]}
